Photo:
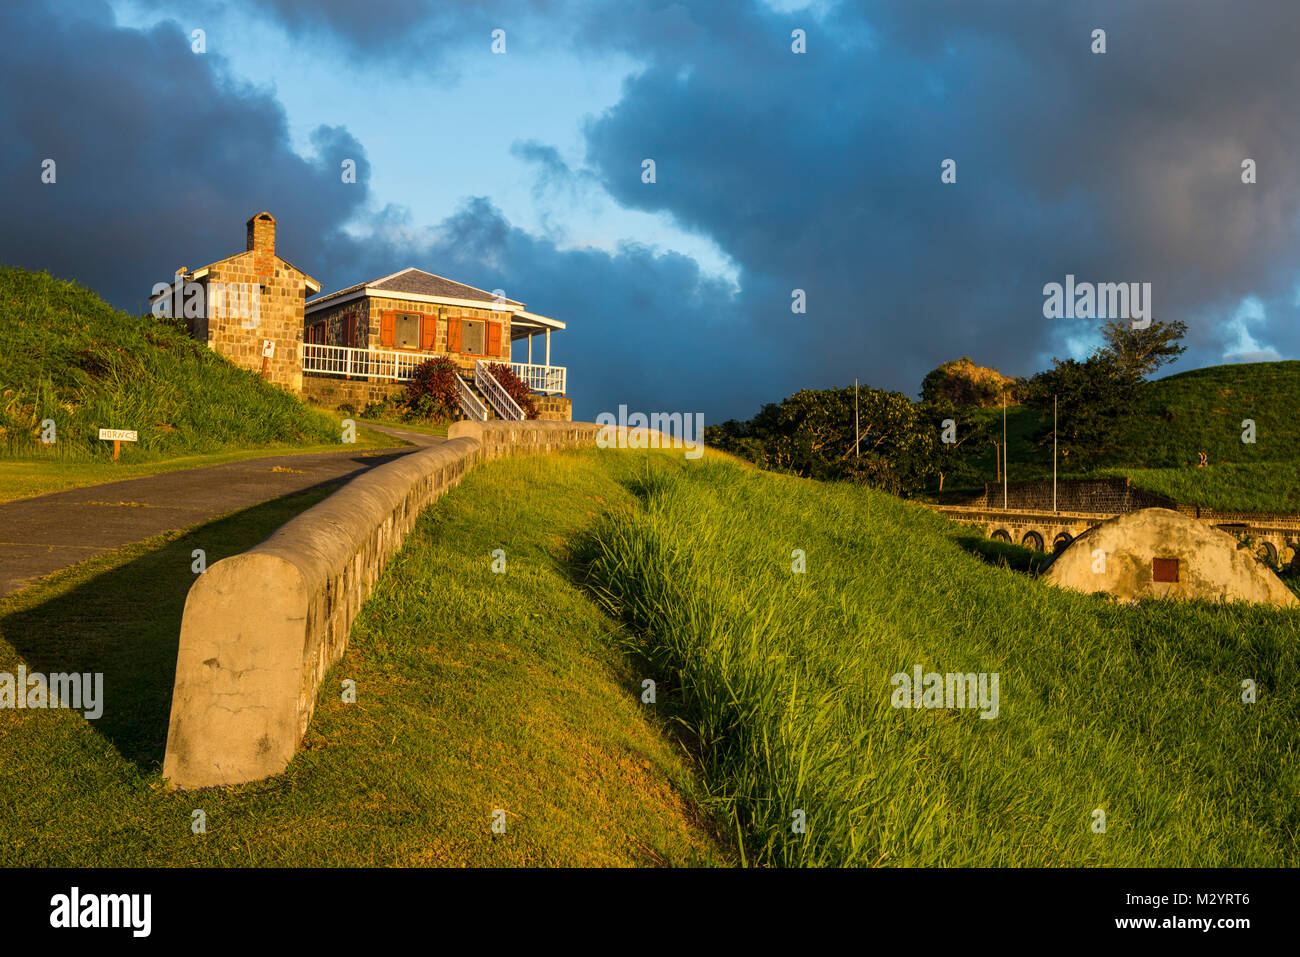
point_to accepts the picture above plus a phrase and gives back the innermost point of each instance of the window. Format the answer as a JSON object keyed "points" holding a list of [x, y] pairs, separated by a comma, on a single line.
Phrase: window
{"points": [[408, 331], [1164, 569], [316, 334], [471, 336], [350, 331]]}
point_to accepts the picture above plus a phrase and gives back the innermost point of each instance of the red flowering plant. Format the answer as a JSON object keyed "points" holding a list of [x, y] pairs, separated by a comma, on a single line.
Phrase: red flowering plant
{"points": [[514, 387], [432, 393]]}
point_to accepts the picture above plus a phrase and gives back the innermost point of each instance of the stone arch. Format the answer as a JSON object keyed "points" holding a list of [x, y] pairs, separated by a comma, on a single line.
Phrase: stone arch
{"points": [[1032, 539], [1267, 551], [1061, 540], [1000, 535]]}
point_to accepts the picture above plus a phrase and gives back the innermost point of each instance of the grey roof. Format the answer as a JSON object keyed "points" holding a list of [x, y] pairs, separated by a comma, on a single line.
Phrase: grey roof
{"points": [[421, 283]]}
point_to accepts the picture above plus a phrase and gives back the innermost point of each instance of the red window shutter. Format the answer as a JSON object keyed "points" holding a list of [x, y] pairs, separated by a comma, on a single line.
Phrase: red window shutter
{"points": [[453, 335], [494, 338], [387, 328], [428, 326]]}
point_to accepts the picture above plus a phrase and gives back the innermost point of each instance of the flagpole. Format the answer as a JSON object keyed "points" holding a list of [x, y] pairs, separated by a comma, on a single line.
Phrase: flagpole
{"points": [[1004, 451], [857, 433], [1053, 453]]}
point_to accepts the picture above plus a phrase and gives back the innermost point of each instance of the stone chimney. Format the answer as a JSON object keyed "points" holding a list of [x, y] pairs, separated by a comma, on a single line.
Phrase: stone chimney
{"points": [[261, 240]]}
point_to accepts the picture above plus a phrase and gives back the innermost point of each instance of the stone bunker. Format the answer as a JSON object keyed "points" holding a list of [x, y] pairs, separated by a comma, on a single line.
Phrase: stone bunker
{"points": [[1160, 553]]}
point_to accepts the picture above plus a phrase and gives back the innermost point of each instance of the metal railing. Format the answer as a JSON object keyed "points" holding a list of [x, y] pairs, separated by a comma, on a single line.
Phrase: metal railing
{"points": [[396, 365], [496, 395], [362, 363], [469, 402], [549, 379]]}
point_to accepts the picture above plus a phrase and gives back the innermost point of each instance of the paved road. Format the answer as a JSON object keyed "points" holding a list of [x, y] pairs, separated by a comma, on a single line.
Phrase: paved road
{"points": [[47, 533]]}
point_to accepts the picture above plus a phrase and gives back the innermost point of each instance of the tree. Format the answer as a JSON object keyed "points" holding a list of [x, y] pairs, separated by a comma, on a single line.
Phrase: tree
{"points": [[811, 434], [1093, 396], [1142, 351], [961, 382], [956, 462]]}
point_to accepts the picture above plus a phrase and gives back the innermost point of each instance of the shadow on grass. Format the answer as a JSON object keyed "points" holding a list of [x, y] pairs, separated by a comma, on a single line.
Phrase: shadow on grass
{"points": [[120, 615], [1004, 554]]}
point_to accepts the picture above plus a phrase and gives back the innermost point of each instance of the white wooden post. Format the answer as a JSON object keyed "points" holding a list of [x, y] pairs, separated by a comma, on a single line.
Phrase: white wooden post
{"points": [[530, 348], [548, 348]]}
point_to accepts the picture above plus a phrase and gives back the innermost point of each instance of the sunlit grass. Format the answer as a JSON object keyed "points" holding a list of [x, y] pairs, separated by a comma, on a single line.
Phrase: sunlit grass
{"points": [[784, 678], [71, 359], [476, 691]]}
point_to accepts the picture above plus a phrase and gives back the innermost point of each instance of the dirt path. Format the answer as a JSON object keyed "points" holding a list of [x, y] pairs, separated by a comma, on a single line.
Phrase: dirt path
{"points": [[47, 533]]}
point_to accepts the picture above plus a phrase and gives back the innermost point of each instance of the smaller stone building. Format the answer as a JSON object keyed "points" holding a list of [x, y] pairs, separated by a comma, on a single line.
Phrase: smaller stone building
{"points": [[1161, 553], [249, 306]]}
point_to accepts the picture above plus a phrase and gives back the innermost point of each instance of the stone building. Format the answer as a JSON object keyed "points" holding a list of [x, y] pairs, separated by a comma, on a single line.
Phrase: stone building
{"points": [[362, 342], [249, 306]]}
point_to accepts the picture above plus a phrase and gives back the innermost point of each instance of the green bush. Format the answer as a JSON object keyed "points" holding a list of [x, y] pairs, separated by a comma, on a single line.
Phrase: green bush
{"points": [[432, 393]]}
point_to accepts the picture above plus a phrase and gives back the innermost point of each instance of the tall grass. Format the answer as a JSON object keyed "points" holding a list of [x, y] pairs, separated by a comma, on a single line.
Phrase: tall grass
{"points": [[784, 680], [67, 356]]}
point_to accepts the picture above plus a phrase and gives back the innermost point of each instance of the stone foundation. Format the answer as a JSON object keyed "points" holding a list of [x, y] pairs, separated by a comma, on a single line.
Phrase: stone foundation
{"points": [[553, 408], [335, 391]]}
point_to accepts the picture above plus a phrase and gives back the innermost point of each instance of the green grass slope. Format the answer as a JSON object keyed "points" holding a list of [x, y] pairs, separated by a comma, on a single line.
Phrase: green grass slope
{"points": [[67, 355], [476, 691], [785, 679], [1180, 416]]}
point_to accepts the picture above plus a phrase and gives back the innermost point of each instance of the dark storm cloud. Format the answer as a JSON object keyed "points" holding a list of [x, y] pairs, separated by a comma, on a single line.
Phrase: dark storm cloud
{"points": [[158, 159], [821, 171], [818, 171]]}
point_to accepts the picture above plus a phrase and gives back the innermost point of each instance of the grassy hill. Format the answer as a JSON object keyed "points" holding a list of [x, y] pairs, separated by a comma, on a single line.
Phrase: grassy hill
{"points": [[785, 679], [1180, 416], [523, 691], [69, 356]]}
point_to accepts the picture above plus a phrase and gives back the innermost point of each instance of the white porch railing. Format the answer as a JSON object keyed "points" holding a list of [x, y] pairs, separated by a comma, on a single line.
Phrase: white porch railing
{"points": [[542, 378], [469, 402], [362, 363], [496, 395], [389, 364]]}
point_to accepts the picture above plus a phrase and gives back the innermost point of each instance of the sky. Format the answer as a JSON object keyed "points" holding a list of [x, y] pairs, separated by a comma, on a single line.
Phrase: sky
{"points": [[775, 171]]}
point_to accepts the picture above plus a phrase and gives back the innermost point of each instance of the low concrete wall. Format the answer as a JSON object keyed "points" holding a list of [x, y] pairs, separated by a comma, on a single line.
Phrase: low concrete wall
{"points": [[261, 629], [532, 435], [1108, 496]]}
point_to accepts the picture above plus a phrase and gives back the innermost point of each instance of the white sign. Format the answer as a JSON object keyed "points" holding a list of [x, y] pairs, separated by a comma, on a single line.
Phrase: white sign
{"points": [[117, 435], [268, 348]]}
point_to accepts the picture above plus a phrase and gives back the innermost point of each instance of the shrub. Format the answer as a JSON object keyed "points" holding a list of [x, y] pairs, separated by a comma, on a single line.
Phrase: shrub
{"points": [[432, 391], [515, 388]]}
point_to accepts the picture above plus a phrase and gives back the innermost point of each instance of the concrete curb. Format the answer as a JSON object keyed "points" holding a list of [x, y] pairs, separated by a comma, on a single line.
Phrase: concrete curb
{"points": [[261, 629]]}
